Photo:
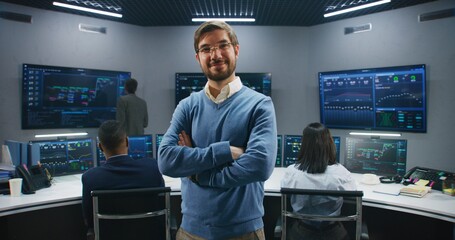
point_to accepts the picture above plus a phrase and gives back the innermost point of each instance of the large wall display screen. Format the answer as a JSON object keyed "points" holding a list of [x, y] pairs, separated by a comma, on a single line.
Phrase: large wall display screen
{"points": [[187, 83], [383, 99], [65, 97]]}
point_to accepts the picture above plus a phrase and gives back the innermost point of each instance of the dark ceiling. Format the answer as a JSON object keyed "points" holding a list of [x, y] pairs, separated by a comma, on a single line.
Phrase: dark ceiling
{"points": [[180, 12]]}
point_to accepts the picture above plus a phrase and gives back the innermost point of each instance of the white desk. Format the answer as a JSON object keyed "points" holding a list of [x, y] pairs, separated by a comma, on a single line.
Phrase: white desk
{"points": [[67, 190], [435, 204]]}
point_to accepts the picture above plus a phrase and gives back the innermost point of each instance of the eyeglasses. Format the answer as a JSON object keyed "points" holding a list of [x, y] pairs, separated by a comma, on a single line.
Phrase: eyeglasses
{"points": [[209, 49]]}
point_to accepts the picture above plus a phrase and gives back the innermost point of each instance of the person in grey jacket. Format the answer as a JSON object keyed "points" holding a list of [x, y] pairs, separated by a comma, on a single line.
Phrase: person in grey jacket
{"points": [[132, 110]]}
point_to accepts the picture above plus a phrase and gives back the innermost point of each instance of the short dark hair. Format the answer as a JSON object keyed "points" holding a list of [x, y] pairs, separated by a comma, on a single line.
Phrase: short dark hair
{"points": [[210, 26], [111, 134], [318, 149], [131, 85]]}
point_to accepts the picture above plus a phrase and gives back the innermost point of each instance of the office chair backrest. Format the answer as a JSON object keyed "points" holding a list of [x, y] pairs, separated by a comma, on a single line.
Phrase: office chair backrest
{"points": [[355, 216], [142, 213]]}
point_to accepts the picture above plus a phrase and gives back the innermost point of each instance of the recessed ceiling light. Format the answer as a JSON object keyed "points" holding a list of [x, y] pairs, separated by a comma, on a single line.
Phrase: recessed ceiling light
{"points": [[59, 4], [224, 19], [372, 4]]}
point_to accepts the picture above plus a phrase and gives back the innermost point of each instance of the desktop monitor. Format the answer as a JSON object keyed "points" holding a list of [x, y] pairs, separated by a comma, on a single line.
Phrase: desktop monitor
{"points": [[385, 157], [63, 157], [69, 97], [291, 149], [279, 153], [292, 144], [382, 99], [337, 142], [139, 146], [187, 83], [158, 139]]}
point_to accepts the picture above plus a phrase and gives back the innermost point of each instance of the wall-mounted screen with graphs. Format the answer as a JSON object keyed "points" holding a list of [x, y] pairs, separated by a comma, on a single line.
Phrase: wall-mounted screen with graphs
{"points": [[385, 157], [65, 97], [62, 157], [186, 83], [383, 99]]}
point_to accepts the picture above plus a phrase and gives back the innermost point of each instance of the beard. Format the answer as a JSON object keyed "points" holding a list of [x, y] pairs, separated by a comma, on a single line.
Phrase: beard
{"points": [[219, 76]]}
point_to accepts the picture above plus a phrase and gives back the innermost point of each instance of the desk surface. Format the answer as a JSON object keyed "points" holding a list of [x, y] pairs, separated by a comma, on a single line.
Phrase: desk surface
{"points": [[67, 190], [435, 204]]}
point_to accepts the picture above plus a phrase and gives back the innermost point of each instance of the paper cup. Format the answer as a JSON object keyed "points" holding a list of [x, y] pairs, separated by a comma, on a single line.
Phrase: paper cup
{"points": [[15, 187]]}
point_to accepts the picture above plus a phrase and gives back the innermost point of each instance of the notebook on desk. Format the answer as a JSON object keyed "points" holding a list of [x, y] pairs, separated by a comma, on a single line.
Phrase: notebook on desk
{"points": [[414, 191], [387, 190]]}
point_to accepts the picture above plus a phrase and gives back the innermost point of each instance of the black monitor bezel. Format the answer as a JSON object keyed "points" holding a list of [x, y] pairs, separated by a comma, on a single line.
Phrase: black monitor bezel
{"points": [[378, 70], [399, 171], [66, 140], [101, 159], [94, 123], [202, 76]]}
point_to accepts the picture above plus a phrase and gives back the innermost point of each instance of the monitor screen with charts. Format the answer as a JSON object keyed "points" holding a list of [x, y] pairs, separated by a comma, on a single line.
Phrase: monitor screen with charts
{"points": [[279, 152], [187, 83], [383, 99], [384, 157], [158, 138], [63, 157], [337, 142], [69, 97], [292, 144], [140, 146]]}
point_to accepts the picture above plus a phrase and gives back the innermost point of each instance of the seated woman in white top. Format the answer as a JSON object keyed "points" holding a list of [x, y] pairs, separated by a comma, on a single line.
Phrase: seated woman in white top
{"points": [[316, 168]]}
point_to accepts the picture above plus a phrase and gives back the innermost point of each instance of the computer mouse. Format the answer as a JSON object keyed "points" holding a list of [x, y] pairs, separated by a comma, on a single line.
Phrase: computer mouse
{"points": [[398, 178]]}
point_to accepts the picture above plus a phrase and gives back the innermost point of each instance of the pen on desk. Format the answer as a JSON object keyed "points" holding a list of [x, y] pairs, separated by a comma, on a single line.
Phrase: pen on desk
{"points": [[431, 184]]}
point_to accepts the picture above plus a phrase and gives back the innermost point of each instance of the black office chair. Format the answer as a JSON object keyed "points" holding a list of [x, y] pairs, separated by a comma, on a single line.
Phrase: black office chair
{"points": [[142, 213], [348, 196]]}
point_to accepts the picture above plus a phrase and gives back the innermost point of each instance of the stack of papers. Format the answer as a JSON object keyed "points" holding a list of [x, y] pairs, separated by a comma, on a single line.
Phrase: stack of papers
{"points": [[415, 191]]}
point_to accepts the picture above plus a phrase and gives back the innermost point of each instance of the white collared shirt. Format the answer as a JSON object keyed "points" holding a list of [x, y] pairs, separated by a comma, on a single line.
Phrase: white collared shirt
{"points": [[120, 155], [226, 92]]}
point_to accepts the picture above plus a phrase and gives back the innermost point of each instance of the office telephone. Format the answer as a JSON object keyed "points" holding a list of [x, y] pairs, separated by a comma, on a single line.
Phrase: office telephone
{"points": [[435, 177], [33, 179]]}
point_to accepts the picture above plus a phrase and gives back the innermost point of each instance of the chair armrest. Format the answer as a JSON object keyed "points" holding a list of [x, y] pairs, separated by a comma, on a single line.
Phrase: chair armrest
{"points": [[338, 193]]}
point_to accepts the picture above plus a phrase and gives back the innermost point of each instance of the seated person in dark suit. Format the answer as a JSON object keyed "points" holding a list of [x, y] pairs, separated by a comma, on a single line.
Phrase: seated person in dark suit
{"points": [[120, 170]]}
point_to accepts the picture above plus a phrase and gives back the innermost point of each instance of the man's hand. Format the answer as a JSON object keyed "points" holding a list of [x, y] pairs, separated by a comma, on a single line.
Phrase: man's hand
{"points": [[184, 139], [236, 152]]}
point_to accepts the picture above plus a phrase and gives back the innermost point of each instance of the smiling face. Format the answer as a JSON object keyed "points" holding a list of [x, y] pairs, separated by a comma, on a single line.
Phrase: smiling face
{"points": [[219, 63]]}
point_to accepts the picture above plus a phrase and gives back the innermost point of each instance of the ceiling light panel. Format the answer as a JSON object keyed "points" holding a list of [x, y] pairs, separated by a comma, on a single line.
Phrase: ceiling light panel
{"points": [[344, 6], [180, 12], [109, 6], [224, 9]]}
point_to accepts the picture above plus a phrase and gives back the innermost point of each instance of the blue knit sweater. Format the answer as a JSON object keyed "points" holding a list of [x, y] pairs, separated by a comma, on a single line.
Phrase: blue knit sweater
{"points": [[228, 201]]}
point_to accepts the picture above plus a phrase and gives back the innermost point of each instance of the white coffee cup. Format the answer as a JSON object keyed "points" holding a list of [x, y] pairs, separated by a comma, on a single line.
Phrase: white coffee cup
{"points": [[370, 179], [15, 187]]}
